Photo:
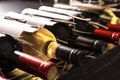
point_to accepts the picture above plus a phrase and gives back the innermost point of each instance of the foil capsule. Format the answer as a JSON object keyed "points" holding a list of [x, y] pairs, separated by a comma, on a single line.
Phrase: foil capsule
{"points": [[113, 37], [44, 69], [113, 27]]}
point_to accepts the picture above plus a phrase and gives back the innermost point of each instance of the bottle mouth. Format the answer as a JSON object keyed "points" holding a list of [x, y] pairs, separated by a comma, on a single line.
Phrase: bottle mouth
{"points": [[101, 46], [52, 73]]}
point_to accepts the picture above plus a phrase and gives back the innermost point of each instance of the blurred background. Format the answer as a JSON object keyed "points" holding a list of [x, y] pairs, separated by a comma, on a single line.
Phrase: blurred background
{"points": [[19, 5]]}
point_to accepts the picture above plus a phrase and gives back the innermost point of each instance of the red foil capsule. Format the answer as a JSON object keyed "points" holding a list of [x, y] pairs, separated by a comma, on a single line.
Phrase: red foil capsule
{"points": [[114, 27], [45, 69], [2, 78], [109, 36]]}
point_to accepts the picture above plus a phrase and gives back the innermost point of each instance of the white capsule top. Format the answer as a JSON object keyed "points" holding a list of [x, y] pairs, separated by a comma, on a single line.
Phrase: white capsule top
{"points": [[14, 28], [36, 21], [2, 35], [84, 5], [57, 10], [36, 12]]}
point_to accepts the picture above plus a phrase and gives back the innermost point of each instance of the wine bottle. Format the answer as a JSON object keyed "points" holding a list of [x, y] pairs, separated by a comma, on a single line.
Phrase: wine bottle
{"points": [[88, 7], [98, 69], [11, 57], [110, 36], [33, 20], [91, 7], [83, 13], [93, 16], [100, 18], [97, 9], [73, 16], [42, 40], [35, 12], [74, 20], [66, 34], [82, 25], [71, 13], [75, 8], [111, 21], [106, 10]]}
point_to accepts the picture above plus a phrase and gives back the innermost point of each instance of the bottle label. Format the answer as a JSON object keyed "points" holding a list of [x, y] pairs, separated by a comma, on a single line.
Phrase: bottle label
{"points": [[14, 28]]}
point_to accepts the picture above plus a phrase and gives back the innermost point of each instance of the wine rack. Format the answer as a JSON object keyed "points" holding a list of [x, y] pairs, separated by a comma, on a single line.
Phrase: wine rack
{"points": [[89, 35]]}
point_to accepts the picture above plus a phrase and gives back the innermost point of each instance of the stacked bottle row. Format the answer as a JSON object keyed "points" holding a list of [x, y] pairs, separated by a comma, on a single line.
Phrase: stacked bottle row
{"points": [[11, 56], [30, 39]]}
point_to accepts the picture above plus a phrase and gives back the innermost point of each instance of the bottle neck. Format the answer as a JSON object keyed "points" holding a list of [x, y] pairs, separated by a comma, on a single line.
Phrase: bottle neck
{"points": [[65, 53], [71, 55], [91, 44]]}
